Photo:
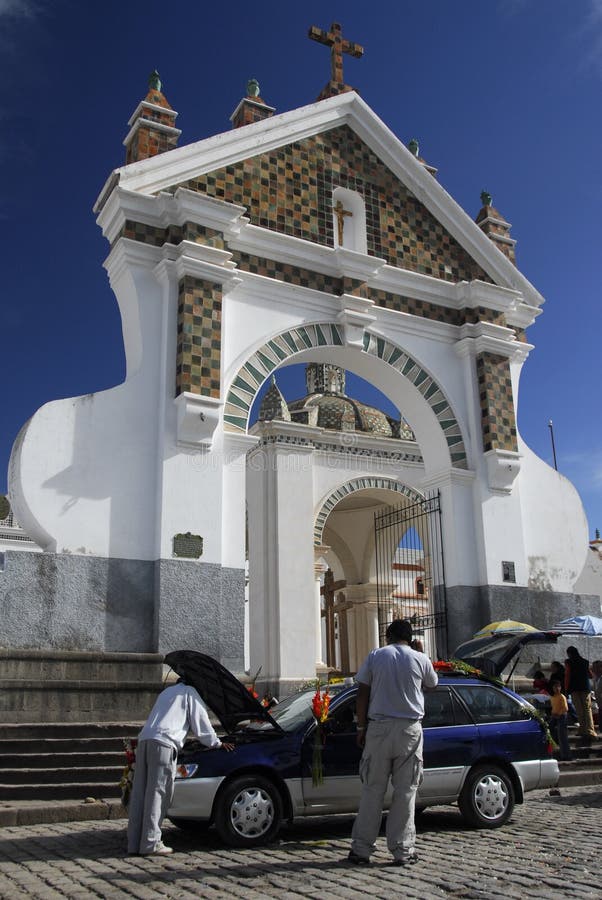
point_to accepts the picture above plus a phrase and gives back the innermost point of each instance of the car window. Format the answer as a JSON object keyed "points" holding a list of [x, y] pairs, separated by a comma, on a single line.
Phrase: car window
{"points": [[342, 720], [442, 708], [489, 704]]}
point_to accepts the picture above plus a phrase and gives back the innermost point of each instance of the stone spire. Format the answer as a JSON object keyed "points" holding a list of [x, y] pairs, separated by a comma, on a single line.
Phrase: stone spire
{"points": [[152, 125], [251, 108], [338, 45], [495, 227], [273, 406]]}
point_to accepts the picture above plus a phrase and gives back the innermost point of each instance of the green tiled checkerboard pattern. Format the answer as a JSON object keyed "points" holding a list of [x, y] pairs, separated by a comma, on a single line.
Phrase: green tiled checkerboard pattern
{"points": [[359, 484], [198, 354], [289, 189], [498, 420]]}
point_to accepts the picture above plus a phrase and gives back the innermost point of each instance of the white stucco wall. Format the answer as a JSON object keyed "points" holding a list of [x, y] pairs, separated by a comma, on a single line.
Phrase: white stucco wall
{"points": [[555, 525]]}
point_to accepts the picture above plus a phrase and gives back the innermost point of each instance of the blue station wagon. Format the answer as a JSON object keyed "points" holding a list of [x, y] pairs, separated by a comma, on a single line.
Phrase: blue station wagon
{"points": [[483, 750]]}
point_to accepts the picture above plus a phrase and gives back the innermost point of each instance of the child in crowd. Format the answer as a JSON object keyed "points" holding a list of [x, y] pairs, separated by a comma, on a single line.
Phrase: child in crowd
{"points": [[558, 720]]}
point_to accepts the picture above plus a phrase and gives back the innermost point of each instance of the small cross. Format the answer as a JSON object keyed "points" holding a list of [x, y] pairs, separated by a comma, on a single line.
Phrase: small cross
{"points": [[338, 45], [340, 212]]}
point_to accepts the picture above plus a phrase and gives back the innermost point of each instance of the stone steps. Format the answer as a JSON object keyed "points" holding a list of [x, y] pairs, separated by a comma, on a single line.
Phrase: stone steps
{"points": [[67, 686], [62, 761]]}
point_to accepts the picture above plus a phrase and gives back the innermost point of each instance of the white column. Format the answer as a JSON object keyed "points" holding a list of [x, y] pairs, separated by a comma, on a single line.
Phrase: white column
{"points": [[320, 568]]}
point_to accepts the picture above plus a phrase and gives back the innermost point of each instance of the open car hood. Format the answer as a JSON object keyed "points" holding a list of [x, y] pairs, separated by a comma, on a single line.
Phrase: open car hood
{"points": [[493, 653], [225, 696]]}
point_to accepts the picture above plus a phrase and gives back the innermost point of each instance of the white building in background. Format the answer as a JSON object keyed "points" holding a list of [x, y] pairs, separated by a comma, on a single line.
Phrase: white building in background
{"points": [[314, 236]]}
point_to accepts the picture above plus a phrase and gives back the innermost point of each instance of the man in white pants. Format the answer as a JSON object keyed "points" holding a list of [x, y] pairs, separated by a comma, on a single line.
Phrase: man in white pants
{"points": [[177, 710], [390, 707]]}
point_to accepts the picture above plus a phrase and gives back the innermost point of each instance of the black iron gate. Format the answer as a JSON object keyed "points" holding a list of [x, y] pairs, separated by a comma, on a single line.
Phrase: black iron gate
{"points": [[410, 572]]}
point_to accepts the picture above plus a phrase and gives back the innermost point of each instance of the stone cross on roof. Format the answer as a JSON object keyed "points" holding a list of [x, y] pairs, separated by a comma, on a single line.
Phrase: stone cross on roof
{"points": [[338, 45]]}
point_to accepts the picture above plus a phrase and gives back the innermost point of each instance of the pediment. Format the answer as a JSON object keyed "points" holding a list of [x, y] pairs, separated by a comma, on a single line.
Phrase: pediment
{"points": [[284, 169]]}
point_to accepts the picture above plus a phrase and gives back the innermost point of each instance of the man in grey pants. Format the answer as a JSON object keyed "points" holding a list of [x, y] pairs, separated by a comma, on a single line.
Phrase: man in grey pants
{"points": [[390, 707], [177, 710]]}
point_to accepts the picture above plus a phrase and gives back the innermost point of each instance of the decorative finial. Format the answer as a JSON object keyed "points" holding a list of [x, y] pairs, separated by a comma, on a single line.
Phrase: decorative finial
{"points": [[485, 198], [253, 88], [154, 82], [597, 534], [413, 147]]}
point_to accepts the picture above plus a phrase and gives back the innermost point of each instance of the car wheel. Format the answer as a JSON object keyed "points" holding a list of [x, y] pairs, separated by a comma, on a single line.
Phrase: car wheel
{"points": [[248, 812], [487, 798]]}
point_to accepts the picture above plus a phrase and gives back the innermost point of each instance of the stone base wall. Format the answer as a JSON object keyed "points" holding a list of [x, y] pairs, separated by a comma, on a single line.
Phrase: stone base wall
{"points": [[67, 602]]}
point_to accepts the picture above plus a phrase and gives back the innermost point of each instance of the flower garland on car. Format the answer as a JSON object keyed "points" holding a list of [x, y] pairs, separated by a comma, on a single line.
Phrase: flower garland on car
{"points": [[127, 778], [319, 706]]}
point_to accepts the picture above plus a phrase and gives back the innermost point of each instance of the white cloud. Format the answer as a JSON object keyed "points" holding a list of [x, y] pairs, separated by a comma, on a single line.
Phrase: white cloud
{"points": [[19, 9], [590, 34]]}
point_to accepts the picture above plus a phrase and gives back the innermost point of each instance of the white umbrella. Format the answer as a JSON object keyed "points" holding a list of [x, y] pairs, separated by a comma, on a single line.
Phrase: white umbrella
{"points": [[591, 626]]}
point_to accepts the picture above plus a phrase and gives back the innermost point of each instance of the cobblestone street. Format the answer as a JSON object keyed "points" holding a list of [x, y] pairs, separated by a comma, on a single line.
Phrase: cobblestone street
{"points": [[550, 849]]}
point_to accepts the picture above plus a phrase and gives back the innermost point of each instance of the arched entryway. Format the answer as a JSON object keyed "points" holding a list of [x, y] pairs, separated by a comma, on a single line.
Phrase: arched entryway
{"points": [[369, 572]]}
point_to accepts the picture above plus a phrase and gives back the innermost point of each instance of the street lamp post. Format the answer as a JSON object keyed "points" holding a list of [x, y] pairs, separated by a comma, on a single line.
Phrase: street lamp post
{"points": [[551, 427]]}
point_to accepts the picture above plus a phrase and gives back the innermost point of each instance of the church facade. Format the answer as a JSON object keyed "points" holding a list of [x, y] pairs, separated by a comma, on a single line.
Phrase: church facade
{"points": [[316, 237]]}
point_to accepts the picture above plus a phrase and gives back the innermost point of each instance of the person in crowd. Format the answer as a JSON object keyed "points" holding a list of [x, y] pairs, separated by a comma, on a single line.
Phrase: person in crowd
{"points": [[597, 686], [556, 674], [578, 684], [540, 683], [558, 720], [390, 707], [177, 710]]}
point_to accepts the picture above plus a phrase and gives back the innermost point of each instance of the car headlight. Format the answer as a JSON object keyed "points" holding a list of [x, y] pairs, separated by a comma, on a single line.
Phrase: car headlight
{"points": [[185, 771]]}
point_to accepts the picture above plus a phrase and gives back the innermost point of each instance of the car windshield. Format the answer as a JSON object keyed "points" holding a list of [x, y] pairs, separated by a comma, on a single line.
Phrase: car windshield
{"points": [[296, 709]]}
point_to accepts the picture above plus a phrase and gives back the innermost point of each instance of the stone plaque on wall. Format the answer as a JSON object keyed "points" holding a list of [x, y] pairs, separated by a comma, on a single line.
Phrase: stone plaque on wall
{"points": [[508, 573], [187, 546]]}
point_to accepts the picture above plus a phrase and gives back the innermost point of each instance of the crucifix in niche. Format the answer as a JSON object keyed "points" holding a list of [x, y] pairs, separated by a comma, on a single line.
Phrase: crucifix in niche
{"points": [[340, 212], [328, 590]]}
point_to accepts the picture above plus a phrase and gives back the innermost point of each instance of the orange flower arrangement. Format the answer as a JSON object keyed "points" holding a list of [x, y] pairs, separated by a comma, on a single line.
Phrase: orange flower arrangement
{"points": [[319, 705]]}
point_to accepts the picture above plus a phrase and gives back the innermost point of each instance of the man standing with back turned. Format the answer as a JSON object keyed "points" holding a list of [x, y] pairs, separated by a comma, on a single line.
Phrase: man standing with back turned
{"points": [[390, 707]]}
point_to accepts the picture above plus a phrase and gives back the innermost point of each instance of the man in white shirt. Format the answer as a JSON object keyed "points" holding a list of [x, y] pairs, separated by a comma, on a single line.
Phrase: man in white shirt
{"points": [[390, 708], [177, 710]]}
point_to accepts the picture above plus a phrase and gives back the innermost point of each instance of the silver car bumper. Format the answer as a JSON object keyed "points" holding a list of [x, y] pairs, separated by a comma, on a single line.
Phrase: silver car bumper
{"points": [[193, 798], [537, 773]]}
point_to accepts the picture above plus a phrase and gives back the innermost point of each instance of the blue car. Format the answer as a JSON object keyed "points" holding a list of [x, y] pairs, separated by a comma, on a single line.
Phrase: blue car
{"points": [[483, 749]]}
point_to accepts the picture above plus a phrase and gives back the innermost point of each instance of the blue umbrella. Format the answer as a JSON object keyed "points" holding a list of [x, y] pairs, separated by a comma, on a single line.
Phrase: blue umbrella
{"points": [[591, 626]]}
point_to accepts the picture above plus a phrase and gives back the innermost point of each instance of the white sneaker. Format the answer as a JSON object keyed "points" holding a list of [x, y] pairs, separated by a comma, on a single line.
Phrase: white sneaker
{"points": [[160, 850]]}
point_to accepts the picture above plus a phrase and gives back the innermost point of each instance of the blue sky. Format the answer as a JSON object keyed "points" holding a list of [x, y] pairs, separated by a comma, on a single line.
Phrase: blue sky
{"points": [[503, 95]]}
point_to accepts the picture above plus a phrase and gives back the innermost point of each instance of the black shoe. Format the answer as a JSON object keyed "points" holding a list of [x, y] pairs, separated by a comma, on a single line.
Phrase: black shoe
{"points": [[408, 861], [356, 860]]}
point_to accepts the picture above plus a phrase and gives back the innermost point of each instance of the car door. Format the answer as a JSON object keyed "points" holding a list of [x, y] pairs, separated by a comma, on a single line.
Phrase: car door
{"points": [[505, 730], [340, 789], [451, 746]]}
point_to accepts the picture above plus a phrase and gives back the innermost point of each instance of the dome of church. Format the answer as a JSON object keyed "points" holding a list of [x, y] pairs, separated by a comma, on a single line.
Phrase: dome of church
{"points": [[327, 406]]}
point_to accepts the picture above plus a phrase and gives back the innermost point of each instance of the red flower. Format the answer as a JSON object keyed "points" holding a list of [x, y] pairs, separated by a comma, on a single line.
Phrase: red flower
{"points": [[320, 704]]}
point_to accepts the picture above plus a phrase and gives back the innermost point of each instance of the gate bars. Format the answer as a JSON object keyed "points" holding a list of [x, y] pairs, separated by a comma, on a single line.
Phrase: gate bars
{"points": [[410, 571]]}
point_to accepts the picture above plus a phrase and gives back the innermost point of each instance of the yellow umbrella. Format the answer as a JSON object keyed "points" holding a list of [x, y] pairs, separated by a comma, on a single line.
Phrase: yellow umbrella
{"points": [[506, 626]]}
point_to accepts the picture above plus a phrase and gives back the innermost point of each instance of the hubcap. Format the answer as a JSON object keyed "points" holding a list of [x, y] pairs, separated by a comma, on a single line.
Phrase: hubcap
{"points": [[491, 797], [252, 812]]}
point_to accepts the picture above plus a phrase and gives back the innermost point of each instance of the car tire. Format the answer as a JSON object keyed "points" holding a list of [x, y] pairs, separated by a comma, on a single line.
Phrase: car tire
{"points": [[487, 798], [248, 811]]}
